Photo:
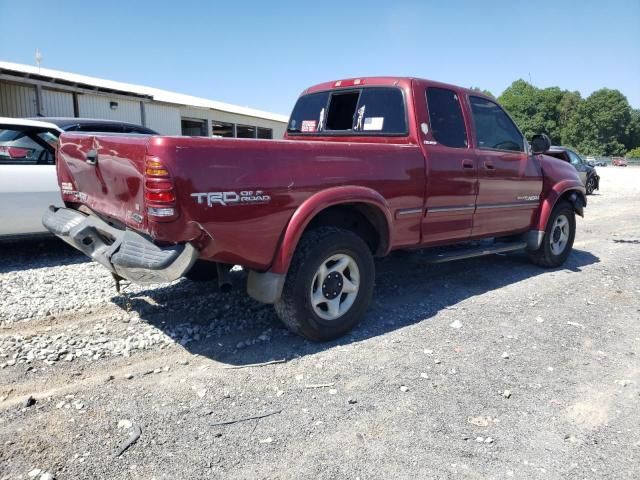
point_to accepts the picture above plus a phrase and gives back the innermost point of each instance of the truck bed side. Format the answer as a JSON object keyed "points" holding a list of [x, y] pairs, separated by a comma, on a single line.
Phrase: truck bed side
{"points": [[221, 186]]}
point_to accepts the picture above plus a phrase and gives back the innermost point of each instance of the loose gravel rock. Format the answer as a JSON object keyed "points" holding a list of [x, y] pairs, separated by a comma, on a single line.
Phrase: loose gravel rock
{"points": [[435, 398]]}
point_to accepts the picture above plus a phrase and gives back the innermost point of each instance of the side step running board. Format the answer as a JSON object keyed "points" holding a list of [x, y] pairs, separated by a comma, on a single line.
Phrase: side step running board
{"points": [[450, 256]]}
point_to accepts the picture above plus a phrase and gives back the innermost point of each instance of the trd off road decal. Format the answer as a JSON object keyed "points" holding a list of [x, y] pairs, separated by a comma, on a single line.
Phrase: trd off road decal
{"points": [[227, 199]]}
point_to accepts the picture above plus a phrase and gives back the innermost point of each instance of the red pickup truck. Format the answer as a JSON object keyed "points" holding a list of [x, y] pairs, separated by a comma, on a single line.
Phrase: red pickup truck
{"points": [[367, 166]]}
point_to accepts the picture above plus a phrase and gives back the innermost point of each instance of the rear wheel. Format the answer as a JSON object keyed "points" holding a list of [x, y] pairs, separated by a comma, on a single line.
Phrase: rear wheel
{"points": [[558, 237], [328, 286], [591, 185]]}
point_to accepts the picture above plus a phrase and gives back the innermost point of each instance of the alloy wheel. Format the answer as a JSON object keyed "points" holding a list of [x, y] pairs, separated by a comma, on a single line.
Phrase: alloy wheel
{"points": [[559, 234], [335, 286]]}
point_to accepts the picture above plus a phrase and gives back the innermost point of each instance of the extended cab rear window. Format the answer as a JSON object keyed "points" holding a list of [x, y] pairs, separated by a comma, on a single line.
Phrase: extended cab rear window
{"points": [[362, 111]]}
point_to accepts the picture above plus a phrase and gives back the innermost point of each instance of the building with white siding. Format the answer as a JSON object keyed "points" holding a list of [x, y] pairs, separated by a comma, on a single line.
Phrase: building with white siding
{"points": [[27, 91]]}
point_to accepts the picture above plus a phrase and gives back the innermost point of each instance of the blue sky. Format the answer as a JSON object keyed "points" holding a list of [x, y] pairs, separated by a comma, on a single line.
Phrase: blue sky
{"points": [[263, 53]]}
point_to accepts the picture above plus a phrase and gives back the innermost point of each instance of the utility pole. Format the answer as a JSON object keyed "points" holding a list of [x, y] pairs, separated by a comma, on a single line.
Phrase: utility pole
{"points": [[38, 58]]}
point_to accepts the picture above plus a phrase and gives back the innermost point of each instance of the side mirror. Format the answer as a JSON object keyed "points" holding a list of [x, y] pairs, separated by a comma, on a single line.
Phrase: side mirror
{"points": [[540, 143]]}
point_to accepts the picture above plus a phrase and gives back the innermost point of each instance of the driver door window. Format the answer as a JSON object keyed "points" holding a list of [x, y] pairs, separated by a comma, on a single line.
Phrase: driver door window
{"points": [[494, 128]]}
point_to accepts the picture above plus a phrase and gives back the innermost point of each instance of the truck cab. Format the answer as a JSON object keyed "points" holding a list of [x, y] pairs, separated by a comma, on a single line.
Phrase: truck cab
{"points": [[476, 169]]}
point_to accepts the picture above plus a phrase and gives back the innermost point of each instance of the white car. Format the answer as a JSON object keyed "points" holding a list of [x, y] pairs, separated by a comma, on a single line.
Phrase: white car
{"points": [[28, 182]]}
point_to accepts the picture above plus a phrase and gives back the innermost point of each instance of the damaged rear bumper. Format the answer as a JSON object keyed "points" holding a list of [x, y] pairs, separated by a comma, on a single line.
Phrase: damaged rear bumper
{"points": [[123, 252]]}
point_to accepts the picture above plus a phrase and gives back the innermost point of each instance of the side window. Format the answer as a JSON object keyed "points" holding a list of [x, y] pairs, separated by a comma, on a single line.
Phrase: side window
{"points": [[574, 158], [445, 117], [494, 128], [27, 148]]}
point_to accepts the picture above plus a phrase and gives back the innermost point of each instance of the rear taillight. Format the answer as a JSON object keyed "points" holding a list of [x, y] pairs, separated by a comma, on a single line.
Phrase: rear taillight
{"points": [[159, 191], [16, 152], [161, 197], [154, 168]]}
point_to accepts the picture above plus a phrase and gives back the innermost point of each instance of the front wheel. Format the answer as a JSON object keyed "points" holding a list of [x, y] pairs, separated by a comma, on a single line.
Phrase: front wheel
{"points": [[328, 286], [591, 185], [558, 237]]}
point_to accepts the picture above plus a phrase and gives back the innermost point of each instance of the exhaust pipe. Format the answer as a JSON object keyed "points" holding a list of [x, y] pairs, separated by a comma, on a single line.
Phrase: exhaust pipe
{"points": [[224, 278]]}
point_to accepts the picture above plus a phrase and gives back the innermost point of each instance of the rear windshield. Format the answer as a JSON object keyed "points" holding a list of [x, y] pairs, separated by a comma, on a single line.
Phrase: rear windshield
{"points": [[363, 111]]}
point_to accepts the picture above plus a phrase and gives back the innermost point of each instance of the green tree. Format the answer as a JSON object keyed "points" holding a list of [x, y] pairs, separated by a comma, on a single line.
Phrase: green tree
{"points": [[548, 114], [635, 153], [538, 110], [566, 110], [520, 99], [600, 125], [484, 92], [633, 133]]}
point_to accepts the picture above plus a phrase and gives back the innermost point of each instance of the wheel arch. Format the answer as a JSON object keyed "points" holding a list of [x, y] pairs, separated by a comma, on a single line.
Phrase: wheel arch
{"points": [[335, 206], [574, 194]]}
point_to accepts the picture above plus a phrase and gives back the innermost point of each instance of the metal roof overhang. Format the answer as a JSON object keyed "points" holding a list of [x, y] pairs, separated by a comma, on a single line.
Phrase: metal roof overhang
{"points": [[17, 76]]}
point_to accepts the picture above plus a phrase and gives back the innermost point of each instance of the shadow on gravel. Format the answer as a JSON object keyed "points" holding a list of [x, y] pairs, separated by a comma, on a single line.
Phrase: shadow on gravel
{"points": [[37, 252], [408, 290]]}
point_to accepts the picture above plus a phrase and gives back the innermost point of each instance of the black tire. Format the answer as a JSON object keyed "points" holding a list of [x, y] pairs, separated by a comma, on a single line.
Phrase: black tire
{"points": [[591, 185], [294, 306], [544, 256], [202, 271]]}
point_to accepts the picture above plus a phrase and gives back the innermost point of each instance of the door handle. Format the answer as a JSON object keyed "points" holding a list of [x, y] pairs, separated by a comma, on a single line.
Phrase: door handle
{"points": [[489, 166], [467, 163]]}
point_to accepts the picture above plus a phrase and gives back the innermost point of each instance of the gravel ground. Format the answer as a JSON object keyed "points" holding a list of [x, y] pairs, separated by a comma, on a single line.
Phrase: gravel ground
{"points": [[486, 368]]}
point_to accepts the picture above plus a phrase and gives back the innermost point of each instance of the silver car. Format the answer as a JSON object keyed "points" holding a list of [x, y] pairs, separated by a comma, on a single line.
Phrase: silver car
{"points": [[28, 182]]}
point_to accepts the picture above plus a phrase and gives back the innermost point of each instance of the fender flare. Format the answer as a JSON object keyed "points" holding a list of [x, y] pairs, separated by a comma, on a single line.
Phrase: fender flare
{"points": [[578, 199], [315, 204]]}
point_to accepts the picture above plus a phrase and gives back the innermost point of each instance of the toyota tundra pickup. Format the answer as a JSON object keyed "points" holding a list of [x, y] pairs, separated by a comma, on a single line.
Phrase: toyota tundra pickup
{"points": [[366, 166]]}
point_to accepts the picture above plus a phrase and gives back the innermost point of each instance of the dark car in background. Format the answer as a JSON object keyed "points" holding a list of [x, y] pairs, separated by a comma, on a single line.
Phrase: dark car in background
{"points": [[588, 173], [71, 124]]}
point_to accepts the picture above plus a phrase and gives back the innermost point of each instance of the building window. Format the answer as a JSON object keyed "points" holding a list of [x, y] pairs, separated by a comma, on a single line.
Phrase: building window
{"points": [[194, 128], [245, 131], [221, 129], [265, 133]]}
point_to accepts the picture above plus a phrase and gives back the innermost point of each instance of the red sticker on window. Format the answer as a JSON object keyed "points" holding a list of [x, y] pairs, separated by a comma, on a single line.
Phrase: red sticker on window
{"points": [[308, 126]]}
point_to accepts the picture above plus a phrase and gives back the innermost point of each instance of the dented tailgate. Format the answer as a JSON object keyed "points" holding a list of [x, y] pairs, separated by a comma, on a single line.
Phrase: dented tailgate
{"points": [[105, 173]]}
